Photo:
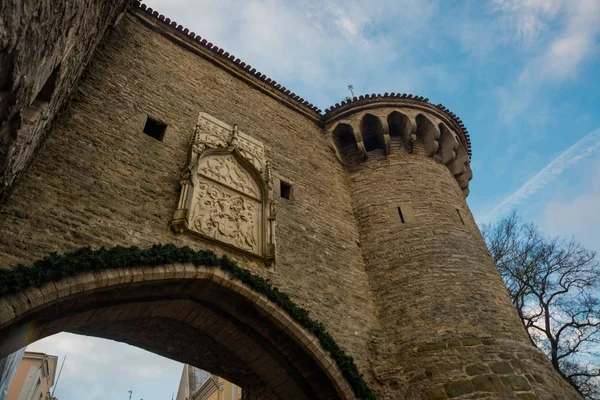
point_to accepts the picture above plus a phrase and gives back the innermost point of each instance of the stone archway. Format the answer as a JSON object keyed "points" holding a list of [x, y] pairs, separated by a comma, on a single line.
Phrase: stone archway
{"points": [[189, 306]]}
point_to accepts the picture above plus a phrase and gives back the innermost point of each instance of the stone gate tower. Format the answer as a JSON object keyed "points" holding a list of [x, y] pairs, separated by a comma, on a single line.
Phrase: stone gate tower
{"points": [[447, 318], [358, 214]]}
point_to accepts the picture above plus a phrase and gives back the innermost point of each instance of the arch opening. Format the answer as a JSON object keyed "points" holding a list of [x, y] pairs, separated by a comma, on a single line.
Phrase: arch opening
{"points": [[372, 133], [345, 142], [400, 128], [195, 315]]}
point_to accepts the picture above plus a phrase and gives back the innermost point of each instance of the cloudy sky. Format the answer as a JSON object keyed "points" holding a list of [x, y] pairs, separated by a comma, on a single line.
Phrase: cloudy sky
{"points": [[522, 75]]}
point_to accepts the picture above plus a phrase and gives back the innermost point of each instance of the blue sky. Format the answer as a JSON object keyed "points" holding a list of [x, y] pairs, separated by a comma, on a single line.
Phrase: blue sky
{"points": [[522, 75]]}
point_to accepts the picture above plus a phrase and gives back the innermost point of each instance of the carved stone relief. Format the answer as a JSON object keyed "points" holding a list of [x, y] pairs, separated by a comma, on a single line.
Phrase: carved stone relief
{"points": [[226, 216], [226, 190], [225, 170]]}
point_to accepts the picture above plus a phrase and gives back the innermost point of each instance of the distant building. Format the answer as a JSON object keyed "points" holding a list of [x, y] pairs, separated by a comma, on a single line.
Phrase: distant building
{"points": [[34, 377], [8, 367], [197, 384]]}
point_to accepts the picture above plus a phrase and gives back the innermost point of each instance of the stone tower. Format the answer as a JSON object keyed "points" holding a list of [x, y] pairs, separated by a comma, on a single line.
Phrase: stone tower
{"points": [[357, 214], [449, 326]]}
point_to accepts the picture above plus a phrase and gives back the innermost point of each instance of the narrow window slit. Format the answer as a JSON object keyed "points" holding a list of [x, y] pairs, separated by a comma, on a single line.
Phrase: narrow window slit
{"points": [[460, 216], [400, 214]]}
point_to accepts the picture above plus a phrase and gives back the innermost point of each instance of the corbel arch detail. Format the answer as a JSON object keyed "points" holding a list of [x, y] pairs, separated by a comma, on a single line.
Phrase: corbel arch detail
{"points": [[345, 140], [427, 135], [403, 129], [373, 131]]}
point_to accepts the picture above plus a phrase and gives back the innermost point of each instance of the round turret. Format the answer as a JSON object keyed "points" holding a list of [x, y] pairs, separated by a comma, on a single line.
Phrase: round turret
{"points": [[448, 322], [391, 124]]}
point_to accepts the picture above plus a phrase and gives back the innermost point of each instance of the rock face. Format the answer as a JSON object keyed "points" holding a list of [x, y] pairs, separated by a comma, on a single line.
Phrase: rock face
{"points": [[44, 48]]}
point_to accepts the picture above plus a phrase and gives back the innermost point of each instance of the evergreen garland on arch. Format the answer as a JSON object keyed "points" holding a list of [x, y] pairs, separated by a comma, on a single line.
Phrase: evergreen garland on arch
{"points": [[55, 267]]}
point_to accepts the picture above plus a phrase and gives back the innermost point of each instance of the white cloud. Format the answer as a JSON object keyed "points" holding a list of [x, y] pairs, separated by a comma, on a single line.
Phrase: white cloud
{"points": [[578, 216], [558, 53], [567, 51], [316, 48], [99, 369], [584, 148], [527, 19]]}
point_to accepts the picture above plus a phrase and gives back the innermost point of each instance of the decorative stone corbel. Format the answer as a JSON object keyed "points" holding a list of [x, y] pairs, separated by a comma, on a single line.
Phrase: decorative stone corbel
{"points": [[386, 134], [411, 134], [357, 130]]}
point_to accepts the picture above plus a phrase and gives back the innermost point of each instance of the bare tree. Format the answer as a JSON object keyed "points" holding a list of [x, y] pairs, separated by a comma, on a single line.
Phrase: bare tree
{"points": [[554, 285]]}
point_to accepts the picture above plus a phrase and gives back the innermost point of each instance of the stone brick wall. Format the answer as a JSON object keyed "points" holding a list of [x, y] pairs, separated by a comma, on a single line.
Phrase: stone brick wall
{"points": [[100, 181], [449, 327], [44, 48]]}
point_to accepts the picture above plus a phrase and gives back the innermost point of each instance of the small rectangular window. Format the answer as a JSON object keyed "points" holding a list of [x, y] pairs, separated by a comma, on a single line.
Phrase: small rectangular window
{"points": [[400, 214], [285, 190], [155, 128]]}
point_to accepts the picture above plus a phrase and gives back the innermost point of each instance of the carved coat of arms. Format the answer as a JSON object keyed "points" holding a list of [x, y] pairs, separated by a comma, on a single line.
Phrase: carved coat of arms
{"points": [[226, 190]]}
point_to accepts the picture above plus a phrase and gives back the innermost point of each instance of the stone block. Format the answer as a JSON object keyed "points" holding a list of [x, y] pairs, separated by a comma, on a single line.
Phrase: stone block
{"points": [[516, 382], [502, 367], [526, 396], [487, 383], [458, 388], [471, 342], [539, 379], [432, 347], [438, 393], [477, 369]]}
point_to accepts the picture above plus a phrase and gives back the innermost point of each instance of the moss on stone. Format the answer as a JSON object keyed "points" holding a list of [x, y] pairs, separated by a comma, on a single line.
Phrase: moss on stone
{"points": [[458, 388], [526, 396], [435, 394], [516, 382], [502, 367], [487, 383]]}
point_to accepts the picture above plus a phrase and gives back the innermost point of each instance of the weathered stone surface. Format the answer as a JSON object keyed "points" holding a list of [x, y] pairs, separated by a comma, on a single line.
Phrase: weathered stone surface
{"points": [[526, 396], [502, 367], [477, 369], [516, 382], [487, 383], [435, 394], [458, 388], [44, 48]]}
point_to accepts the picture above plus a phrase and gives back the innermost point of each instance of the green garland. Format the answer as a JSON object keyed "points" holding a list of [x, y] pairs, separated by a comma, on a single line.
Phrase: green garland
{"points": [[55, 267]]}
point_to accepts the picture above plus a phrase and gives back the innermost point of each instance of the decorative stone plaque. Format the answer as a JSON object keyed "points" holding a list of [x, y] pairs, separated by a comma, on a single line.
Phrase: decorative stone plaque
{"points": [[226, 190]]}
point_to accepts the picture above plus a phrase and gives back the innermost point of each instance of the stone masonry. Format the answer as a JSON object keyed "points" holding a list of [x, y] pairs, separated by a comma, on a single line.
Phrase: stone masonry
{"points": [[358, 214], [44, 48]]}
